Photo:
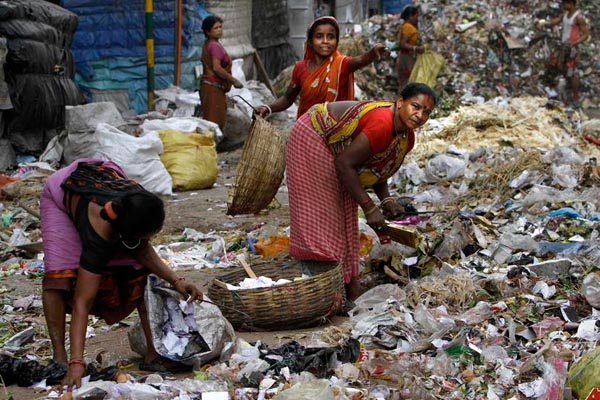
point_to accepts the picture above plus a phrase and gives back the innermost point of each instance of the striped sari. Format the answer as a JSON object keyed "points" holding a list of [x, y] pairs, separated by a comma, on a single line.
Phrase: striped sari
{"points": [[323, 214]]}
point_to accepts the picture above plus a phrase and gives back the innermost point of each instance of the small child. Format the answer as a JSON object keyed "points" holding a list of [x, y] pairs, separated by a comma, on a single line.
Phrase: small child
{"points": [[574, 32]]}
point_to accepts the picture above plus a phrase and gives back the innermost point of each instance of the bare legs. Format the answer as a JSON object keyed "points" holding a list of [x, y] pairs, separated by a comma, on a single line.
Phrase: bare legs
{"points": [[55, 313], [151, 353], [354, 289]]}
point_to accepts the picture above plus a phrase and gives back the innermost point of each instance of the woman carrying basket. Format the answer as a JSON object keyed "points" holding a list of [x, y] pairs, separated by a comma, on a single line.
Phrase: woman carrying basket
{"points": [[334, 151], [96, 227], [324, 74]]}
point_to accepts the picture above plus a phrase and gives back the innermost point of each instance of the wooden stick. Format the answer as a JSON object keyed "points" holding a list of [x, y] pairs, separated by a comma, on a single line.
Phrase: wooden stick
{"points": [[246, 267], [262, 71]]}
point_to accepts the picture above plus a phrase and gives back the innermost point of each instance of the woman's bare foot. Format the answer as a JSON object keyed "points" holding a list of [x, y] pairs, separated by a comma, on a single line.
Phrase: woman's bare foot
{"points": [[354, 289]]}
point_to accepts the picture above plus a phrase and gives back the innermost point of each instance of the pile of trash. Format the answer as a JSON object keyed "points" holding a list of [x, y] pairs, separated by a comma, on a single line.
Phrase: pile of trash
{"points": [[498, 300], [491, 48]]}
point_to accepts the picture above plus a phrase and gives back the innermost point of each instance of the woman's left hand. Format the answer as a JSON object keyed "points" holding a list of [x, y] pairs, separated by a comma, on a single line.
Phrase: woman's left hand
{"points": [[189, 291], [392, 210], [380, 51]]}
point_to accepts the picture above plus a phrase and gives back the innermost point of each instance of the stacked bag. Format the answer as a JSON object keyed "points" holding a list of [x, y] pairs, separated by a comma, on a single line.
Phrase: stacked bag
{"points": [[39, 71]]}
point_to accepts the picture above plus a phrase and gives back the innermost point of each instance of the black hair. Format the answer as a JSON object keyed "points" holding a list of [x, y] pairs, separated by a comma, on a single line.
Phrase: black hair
{"points": [[322, 21], [209, 22], [409, 11], [138, 213], [415, 88]]}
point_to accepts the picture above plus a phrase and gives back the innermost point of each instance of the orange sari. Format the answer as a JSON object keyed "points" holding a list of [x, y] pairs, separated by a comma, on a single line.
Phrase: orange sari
{"points": [[322, 85]]}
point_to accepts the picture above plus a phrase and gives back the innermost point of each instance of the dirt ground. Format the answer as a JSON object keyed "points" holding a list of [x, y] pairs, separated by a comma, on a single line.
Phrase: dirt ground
{"points": [[203, 210]]}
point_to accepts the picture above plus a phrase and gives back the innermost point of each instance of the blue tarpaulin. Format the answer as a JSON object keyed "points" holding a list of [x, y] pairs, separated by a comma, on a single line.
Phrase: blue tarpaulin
{"points": [[395, 6], [109, 45]]}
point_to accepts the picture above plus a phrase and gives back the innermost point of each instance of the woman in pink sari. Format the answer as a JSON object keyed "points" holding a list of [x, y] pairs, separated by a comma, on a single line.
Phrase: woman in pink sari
{"points": [[334, 151]]}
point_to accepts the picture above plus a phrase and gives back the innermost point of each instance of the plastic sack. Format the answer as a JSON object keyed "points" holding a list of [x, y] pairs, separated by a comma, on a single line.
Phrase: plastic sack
{"points": [[272, 246], [190, 159], [584, 374], [139, 157], [212, 337], [320, 389], [591, 289], [182, 124], [427, 67]]}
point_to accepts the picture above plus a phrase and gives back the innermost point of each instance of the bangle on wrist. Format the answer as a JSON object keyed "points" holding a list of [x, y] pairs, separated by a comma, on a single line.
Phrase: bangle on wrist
{"points": [[386, 200], [370, 210], [269, 109], [77, 361], [179, 278]]}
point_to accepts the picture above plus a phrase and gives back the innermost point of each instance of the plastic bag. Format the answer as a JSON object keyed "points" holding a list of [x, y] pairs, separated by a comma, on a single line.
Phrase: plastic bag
{"points": [[139, 157], [190, 159], [426, 68], [272, 246], [213, 330], [591, 289]]}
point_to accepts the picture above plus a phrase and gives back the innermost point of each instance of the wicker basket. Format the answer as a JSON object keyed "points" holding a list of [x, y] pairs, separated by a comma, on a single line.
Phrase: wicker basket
{"points": [[260, 170], [299, 304]]}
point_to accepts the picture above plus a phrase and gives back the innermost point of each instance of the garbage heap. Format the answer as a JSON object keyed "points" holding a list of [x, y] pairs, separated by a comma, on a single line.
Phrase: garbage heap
{"points": [[499, 300], [491, 48]]}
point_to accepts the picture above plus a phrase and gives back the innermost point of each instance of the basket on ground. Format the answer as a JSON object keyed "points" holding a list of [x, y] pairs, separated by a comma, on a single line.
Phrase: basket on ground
{"points": [[260, 170], [298, 304]]}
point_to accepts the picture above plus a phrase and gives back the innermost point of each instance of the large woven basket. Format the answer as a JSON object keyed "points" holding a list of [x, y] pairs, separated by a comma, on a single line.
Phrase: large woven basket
{"points": [[299, 304], [260, 170]]}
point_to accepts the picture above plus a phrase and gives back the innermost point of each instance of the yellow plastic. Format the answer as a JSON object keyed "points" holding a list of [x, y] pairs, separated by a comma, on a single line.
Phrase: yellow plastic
{"points": [[190, 159], [584, 374], [427, 67]]}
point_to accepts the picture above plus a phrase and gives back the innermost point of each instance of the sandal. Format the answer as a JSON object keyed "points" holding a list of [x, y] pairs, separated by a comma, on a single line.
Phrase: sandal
{"points": [[162, 364]]}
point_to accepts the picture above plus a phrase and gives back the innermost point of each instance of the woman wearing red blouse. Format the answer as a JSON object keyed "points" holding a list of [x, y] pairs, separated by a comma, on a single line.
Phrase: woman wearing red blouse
{"points": [[324, 74], [334, 151]]}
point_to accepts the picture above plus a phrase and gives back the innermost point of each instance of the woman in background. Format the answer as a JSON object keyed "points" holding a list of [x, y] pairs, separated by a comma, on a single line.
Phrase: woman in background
{"points": [[216, 73], [408, 48]]}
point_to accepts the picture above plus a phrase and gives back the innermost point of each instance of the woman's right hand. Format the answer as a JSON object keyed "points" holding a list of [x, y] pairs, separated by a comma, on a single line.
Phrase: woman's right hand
{"points": [[73, 378], [263, 111], [237, 84], [376, 220]]}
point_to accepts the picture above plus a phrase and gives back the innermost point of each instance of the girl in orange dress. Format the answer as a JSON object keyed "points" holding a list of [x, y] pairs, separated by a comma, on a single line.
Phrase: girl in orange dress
{"points": [[324, 75]]}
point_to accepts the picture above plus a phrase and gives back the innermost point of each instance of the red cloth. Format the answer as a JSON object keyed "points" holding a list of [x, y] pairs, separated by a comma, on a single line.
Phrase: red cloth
{"points": [[330, 81], [323, 215]]}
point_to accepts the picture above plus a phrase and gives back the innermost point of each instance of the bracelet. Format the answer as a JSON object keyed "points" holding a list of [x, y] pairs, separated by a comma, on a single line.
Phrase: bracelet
{"points": [[386, 200], [269, 108], [179, 278], [77, 361], [371, 210]]}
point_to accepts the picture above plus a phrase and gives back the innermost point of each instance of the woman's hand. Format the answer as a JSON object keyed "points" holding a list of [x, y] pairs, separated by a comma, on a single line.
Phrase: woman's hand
{"points": [[73, 378], [376, 221], [420, 49], [188, 290], [263, 111], [391, 210], [237, 84], [380, 51]]}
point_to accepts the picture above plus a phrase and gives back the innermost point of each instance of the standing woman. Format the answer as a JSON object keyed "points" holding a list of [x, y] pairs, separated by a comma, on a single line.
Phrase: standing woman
{"points": [[408, 37], [324, 74], [216, 76], [334, 151]]}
